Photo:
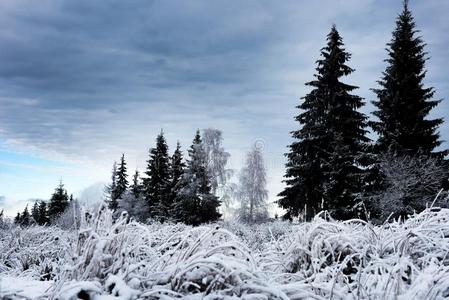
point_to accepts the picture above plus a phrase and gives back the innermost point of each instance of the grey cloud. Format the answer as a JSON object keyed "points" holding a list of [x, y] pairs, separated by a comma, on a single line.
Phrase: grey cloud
{"points": [[95, 78]]}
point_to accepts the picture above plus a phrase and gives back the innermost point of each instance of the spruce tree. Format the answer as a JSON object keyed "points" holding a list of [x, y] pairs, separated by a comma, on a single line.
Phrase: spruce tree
{"points": [[111, 189], [195, 203], [35, 212], [17, 219], [58, 203], [403, 102], [122, 178], [323, 163], [177, 167], [25, 219], [43, 213], [348, 147], [157, 182], [136, 187]]}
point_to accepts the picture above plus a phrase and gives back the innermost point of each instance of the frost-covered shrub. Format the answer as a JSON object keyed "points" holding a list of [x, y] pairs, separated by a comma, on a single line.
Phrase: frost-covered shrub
{"points": [[321, 259], [409, 184]]}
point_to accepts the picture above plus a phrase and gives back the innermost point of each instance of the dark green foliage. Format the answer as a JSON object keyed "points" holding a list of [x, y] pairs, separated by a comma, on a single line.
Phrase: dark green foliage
{"points": [[122, 178], [157, 183], [403, 102], [323, 163], [111, 190], [35, 211], [177, 167], [136, 187], [195, 204], [58, 203], [42, 213], [25, 217]]}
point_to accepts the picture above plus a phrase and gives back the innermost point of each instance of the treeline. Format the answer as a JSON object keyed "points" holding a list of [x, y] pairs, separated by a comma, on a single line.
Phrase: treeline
{"points": [[43, 213], [334, 166], [171, 189]]}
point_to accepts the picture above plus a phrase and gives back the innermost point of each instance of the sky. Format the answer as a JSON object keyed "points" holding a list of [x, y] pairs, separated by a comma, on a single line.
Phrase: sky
{"points": [[82, 82]]}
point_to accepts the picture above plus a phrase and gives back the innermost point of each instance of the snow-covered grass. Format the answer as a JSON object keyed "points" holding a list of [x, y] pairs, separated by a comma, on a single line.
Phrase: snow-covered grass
{"points": [[322, 259]]}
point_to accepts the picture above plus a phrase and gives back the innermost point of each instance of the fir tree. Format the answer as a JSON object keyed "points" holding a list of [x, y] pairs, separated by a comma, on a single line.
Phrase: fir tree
{"points": [[177, 167], [122, 178], [35, 212], [111, 189], [136, 187], [195, 203], [17, 219], [43, 213], [403, 102], [25, 219], [156, 184], [323, 163], [348, 147], [58, 202]]}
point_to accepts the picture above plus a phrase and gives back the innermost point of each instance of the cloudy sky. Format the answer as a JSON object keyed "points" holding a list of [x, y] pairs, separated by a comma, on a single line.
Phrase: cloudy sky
{"points": [[83, 81]]}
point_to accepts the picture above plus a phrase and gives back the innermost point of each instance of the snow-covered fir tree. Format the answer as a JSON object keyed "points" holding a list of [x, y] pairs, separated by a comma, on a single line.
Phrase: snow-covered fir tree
{"points": [[122, 178], [403, 103], [252, 191], [323, 163], [348, 149], [195, 203], [59, 201], [157, 183]]}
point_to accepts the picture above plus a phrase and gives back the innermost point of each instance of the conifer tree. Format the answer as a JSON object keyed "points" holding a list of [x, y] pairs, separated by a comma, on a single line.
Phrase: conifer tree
{"points": [[111, 189], [122, 178], [43, 213], [136, 187], [403, 102], [323, 163], [17, 218], [195, 203], [35, 212], [177, 167], [156, 184], [25, 219], [58, 203]]}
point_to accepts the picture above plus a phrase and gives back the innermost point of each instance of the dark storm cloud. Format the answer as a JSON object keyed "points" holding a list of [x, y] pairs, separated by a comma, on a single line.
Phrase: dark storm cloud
{"points": [[87, 76]]}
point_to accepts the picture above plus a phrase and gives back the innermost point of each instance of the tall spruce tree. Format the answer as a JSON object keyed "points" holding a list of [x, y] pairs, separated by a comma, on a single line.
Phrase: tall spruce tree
{"points": [[177, 167], [122, 178], [323, 163], [157, 182], [403, 102], [195, 203], [59, 202]]}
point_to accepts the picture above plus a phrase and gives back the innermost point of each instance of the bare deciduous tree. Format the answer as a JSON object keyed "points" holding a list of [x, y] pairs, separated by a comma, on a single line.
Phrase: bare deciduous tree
{"points": [[252, 191]]}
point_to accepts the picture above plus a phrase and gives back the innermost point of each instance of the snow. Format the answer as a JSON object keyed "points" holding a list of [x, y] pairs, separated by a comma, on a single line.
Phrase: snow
{"points": [[322, 259], [22, 287]]}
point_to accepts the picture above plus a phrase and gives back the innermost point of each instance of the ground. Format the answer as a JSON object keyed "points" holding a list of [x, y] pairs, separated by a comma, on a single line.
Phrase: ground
{"points": [[321, 259]]}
